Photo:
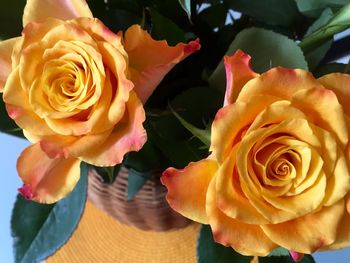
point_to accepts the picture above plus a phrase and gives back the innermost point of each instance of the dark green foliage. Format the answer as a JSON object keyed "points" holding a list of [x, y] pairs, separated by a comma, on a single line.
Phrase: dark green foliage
{"points": [[39, 230]]}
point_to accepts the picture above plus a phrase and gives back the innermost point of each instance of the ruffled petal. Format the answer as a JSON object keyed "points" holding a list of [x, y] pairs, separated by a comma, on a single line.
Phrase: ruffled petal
{"points": [[187, 188], [6, 48], [46, 180], [100, 32], [39, 10], [280, 82], [230, 198], [327, 113], [343, 232], [106, 148], [339, 84], [309, 233], [20, 110], [250, 183], [151, 60], [296, 256], [238, 73], [247, 239], [128, 135], [58, 146], [232, 121]]}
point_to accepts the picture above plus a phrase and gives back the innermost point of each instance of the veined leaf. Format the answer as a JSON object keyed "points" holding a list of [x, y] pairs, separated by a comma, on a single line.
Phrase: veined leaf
{"points": [[273, 12], [39, 230], [135, 181], [267, 49], [186, 5], [339, 22], [201, 134], [314, 8], [210, 252], [315, 55]]}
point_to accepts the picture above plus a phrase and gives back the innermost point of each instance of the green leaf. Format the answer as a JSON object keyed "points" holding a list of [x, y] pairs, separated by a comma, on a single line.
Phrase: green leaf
{"points": [[307, 259], [314, 8], [285, 259], [339, 22], [108, 174], [179, 152], [315, 55], [281, 255], [201, 134], [39, 230], [186, 5], [210, 252], [347, 68], [164, 28], [135, 181], [278, 252], [274, 12], [326, 15], [147, 159], [267, 49], [202, 106]]}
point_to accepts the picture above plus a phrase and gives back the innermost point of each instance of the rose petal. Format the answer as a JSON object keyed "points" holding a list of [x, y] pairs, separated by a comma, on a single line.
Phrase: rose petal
{"points": [[47, 180], [34, 32], [238, 73], [335, 166], [280, 82], [327, 113], [182, 197], [296, 256], [343, 232], [39, 10], [35, 52], [100, 32], [57, 146], [247, 239], [19, 109], [230, 198], [6, 48], [308, 233], [128, 135], [151, 60], [251, 186], [232, 121], [339, 84]]}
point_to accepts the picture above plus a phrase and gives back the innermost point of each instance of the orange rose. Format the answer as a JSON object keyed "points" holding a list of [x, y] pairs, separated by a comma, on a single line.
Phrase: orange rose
{"points": [[278, 173], [76, 89]]}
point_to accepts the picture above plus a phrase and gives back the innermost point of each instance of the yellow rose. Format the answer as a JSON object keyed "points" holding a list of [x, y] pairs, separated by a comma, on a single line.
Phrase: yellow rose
{"points": [[278, 173], [76, 89]]}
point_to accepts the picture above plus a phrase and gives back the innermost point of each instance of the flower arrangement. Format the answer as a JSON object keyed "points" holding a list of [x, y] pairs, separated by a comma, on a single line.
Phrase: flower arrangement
{"points": [[239, 103]]}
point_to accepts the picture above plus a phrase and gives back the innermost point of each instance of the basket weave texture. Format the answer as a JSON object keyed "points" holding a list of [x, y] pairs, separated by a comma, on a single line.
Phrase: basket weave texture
{"points": [[148, 210]]}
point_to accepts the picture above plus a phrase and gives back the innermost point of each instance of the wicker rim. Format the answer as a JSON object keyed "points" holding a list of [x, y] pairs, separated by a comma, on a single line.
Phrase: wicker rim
{"points": [[148, 210]]}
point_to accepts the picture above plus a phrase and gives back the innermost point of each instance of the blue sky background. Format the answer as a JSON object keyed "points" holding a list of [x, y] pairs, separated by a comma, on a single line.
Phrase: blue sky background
{"points": [[11, 148]]}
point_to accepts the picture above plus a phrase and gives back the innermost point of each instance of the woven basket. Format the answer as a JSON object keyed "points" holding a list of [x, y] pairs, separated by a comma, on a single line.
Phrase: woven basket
{"points": [[147, 211]]}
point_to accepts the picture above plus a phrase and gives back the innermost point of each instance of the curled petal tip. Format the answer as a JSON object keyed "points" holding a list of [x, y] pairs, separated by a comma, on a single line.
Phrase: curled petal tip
{"points": [[165, 175], [192, 46], [296, 256], [26, 191]]}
